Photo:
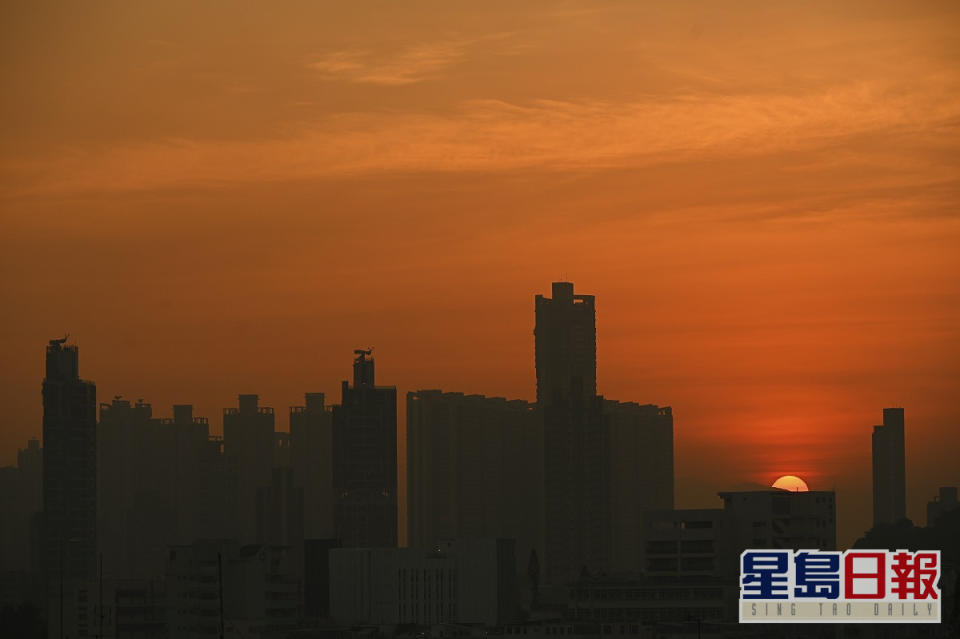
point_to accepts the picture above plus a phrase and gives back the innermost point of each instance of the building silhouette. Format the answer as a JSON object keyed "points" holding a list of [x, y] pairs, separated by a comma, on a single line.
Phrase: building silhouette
{"points": [[21, 505], [604, 462], [640, 475], [943, 503], [474, 469], [248, 448], [566, 345], [316, 578], [708, 541], [889, 473], [30, 487], [251, 585], [161, 482], [311, 450], [698, 550], [684, 542], [135, 514], [280, 515], [69, 475], [201, 477], [365, 459], [777, 518], [574, 443], [130, 608], [462, 581], [632, 604]]}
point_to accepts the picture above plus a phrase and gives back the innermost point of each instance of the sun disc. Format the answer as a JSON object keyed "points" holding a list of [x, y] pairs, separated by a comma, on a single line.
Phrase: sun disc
{"points": [[792, 483]]}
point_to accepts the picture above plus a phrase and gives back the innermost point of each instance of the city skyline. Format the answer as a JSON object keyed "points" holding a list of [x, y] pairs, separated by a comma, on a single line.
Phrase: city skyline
{"points": [[845, 534], [762, 196], [513, 508]]}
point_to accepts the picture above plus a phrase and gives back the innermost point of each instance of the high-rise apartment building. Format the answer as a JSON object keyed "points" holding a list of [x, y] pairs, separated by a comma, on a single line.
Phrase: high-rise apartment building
{"points": [[21, 499], [889, 469], [365, 459], [134, 511], [280, 513], [69, 473], [196, 481], [311, 450], [248, 447], [640, 459], [566, 346], [474, 469], [161, 482]]}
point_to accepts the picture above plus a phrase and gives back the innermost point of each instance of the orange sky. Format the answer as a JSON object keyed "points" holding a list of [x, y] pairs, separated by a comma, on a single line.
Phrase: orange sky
{"points": [[215, 198]]}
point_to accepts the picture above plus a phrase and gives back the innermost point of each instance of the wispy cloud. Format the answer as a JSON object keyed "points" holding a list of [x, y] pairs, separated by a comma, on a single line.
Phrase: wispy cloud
{"points": [[493, 135], [413, 64]]}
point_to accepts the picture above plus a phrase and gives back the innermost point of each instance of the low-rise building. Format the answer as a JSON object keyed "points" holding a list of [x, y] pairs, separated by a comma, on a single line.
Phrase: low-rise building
{"points": [[259, 594], [704, 545], [649, 600], [460, 581]]}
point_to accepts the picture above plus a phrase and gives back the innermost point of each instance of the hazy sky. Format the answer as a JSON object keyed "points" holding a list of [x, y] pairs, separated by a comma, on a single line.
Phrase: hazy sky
{"points": [[226, 197]]}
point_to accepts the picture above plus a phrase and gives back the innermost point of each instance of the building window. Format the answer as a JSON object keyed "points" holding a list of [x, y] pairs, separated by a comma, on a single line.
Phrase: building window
{"points": [[661, 548], [697, 546], [663, 563]]}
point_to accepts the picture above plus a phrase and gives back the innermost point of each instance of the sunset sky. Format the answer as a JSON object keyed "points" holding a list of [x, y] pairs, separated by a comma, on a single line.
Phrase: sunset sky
{"points": [[217, 198]]}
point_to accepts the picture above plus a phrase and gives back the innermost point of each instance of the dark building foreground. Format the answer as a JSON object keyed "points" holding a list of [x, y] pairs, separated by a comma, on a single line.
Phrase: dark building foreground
{"points": [[889, 469], [464, 581], [365, 459], [568, 477], [474, 470], [574, 440], [604, 462], [69, 477]]}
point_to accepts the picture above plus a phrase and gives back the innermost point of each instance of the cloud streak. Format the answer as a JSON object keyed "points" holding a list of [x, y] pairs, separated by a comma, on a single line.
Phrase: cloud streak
{"points": [[417, 63], [495, 135], [412, 64]]}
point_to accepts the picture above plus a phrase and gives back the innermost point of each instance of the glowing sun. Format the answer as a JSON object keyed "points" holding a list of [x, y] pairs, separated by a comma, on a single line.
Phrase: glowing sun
{"points": [[792, 483]]}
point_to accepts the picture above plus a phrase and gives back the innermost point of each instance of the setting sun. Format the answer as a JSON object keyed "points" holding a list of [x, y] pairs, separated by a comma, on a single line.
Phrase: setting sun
{"points": [[791, 483]]}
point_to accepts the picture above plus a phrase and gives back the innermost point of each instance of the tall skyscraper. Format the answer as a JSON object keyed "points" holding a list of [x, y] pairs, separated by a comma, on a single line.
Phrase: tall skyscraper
{"points": [[69, 473], [365, 459], [248, 448], [574, 444], [889, 469], [566, 346]]}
